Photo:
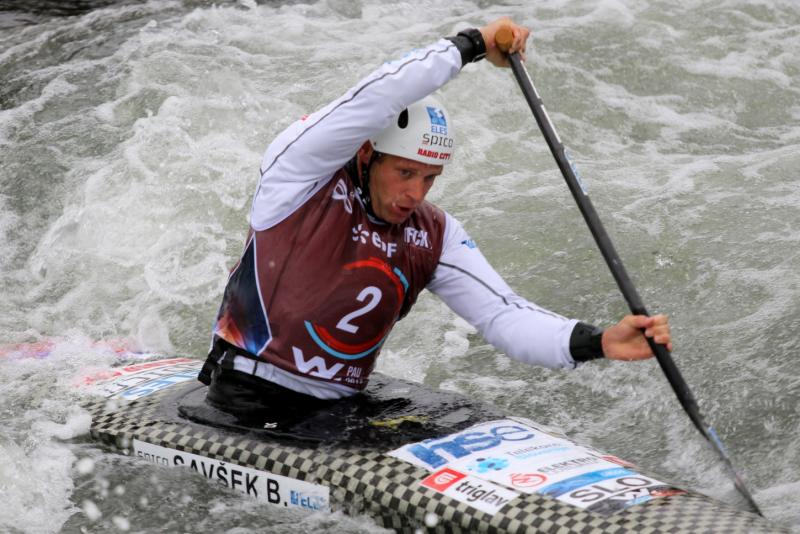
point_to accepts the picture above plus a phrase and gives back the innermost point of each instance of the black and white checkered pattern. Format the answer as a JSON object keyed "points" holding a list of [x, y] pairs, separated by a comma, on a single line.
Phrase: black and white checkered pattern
{"points": [[370, 482]]}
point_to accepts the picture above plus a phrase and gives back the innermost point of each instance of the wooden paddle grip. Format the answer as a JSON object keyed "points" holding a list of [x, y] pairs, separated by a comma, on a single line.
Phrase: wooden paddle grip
{"points": [[504, 38]]}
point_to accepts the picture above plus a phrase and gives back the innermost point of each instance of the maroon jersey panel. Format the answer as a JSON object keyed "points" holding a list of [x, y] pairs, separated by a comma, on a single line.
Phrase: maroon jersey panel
{"points": [[330, 284]]}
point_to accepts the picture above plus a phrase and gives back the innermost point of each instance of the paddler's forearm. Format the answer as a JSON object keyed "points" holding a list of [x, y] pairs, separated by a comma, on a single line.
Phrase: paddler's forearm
{"points": [[466, 282]]}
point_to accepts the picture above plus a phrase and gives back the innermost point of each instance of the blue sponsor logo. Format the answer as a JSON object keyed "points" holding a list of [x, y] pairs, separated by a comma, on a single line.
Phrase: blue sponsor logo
{"points": [[437, 452], [309, 502], [484, 465], [541, 452], [469, 243], [150, 387], [565, 486], [438, 120], [639, 500]]}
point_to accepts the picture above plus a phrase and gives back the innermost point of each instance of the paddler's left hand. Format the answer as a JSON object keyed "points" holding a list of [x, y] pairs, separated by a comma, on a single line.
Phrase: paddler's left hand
{"points": [[624, 340], [493, 54]]}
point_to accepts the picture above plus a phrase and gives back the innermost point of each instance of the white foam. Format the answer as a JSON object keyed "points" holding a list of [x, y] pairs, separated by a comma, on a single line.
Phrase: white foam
{"points": [[36, 484], [121, 523], [84, 466], [739, 65], [77, 424], [91, 510]]}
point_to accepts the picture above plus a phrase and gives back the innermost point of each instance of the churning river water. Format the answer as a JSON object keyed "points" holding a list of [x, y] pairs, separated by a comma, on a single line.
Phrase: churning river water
{"points": [[130, 141]]}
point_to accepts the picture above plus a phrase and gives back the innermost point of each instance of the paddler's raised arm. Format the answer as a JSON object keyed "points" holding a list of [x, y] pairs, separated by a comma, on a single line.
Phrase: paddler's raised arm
{"points": [[305, 155]]}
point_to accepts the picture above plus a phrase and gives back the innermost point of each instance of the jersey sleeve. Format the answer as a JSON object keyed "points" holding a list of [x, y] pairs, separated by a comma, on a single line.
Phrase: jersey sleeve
{"points": [[466, 282], [305, 155]]}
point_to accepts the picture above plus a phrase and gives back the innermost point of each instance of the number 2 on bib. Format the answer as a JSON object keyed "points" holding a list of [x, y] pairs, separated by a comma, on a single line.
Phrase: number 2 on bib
{"points": [[372, 295]]}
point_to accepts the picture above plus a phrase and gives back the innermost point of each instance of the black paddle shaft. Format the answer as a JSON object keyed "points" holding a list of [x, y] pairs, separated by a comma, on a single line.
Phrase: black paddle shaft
{"points": [[614, 262], [601, 238]]}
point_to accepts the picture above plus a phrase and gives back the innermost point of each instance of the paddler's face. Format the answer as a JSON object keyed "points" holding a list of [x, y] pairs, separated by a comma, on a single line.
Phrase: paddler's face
{"points": [[398, 185]]}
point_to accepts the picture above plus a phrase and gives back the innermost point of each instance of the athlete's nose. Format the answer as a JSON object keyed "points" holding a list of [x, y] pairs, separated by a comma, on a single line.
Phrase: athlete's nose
{"points": [[416, 190]]}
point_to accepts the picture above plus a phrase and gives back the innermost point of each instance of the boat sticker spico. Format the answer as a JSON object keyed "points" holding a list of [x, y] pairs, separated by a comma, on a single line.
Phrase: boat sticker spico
{"points": [[529, 460], [275, 489]]}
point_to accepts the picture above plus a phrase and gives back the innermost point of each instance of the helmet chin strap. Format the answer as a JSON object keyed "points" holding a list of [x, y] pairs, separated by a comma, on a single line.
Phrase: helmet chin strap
{"points": [[362, 182]]}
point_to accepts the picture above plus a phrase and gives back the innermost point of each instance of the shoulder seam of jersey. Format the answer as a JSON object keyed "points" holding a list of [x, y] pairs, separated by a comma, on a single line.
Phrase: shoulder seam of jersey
{"points": [[494, 292]]}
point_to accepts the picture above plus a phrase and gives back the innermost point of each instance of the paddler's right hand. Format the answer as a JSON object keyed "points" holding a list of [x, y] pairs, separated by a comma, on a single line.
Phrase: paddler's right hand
{"points": [[493, 53], [624, 340]]}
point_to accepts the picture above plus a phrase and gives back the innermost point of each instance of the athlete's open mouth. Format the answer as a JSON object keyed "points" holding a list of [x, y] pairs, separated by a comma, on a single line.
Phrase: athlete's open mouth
{"points": [[405, 212]]}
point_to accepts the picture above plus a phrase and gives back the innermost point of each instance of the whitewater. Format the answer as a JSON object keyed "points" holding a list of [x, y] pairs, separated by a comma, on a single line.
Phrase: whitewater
{"points": [[130, 141]]}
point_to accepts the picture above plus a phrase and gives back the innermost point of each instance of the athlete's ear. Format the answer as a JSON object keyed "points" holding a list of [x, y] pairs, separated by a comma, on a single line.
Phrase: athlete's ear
{"points": [[365, 152]]}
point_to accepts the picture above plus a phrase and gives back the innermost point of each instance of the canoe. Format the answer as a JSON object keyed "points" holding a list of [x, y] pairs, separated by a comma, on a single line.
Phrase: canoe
{"points": [[413, 458]]}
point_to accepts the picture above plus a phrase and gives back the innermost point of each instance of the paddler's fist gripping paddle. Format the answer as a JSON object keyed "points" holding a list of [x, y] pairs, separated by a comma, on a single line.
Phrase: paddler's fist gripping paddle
{"points": [[506, 40], [515, 40]]}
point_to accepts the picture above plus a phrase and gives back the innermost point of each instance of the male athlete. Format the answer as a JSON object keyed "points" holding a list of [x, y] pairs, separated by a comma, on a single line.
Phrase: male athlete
{"points": [[342, 241]]}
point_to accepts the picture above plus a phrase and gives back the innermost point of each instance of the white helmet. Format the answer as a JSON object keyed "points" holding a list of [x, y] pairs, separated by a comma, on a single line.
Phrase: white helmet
{"points": [[422, 132]]}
